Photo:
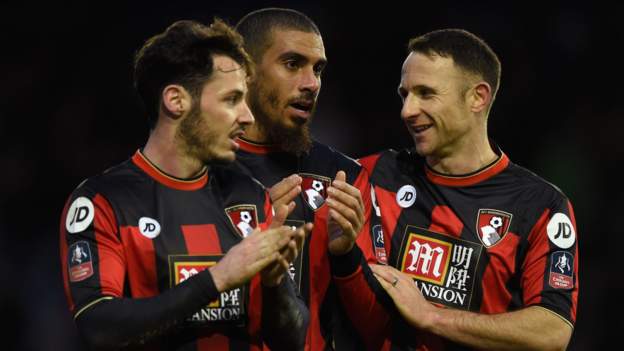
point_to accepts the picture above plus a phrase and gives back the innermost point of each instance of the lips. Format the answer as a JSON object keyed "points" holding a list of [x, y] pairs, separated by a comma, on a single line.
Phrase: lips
{"points": [[234, 138], [421, 128], [302, 108]]}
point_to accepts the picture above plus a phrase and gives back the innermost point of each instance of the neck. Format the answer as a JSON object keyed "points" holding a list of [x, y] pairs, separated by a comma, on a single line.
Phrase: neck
{"points": [[467, 158], [164, 150]]}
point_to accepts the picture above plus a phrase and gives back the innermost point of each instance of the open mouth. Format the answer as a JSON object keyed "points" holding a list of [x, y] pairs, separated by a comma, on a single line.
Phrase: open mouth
{"points": [[421, 128], [304, 106]]}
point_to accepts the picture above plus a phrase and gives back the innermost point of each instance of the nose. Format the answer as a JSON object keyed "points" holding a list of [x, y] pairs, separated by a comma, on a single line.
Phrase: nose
{"points": [[310, 81], [411, 107], [245, 117]]}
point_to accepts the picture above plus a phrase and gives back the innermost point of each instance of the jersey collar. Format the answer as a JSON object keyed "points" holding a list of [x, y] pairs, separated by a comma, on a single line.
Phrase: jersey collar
{"points": [[170, 181], [256, 148], [473, 178]]}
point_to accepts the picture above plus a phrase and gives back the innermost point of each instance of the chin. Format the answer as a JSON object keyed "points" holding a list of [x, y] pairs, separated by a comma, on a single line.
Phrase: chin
{"points": [[423, 149], [225, 157]]}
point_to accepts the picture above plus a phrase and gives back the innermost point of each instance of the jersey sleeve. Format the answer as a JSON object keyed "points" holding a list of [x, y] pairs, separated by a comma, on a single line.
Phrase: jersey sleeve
{"points": [[93, 263], [92, 256], [550, 269], [363, 298]]}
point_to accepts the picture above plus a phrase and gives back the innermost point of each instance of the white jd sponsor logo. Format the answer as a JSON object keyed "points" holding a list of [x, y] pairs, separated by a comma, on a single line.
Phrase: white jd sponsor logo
{"points": [[406, 196], [80, 215], [561, 231], [149, 227]]}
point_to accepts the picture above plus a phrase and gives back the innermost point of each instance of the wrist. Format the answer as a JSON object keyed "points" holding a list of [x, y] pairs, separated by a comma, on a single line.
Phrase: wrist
{"points": [[432, 319], [218, 278]]}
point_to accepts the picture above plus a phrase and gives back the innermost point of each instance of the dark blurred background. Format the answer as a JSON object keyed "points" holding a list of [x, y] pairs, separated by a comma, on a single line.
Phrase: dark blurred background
{"points": [[68, 111]]}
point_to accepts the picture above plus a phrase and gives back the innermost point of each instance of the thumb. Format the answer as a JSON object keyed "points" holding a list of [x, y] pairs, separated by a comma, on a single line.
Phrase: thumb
{"points": [[281, 212], [342, 176]]}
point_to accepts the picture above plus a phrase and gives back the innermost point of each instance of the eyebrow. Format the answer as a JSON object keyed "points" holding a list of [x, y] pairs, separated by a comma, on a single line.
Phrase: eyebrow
{"points": [[420, 87], [228, 70], [299, 57]]}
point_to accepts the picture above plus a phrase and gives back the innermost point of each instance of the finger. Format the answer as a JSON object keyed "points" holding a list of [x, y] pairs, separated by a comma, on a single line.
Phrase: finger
{"points": [[271, 240], [281, 212], [349, 190], [386, 272], [291, 207], [343, 222], [341, 176], [385, 285], [343, 196], [353, 215], [285, 188], [263, 261], [289, 252]]}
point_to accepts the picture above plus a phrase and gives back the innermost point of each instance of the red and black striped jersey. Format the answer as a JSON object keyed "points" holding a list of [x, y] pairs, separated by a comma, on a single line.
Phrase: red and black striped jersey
{"points": [[493, 241], [329, 327], [134, 232]]}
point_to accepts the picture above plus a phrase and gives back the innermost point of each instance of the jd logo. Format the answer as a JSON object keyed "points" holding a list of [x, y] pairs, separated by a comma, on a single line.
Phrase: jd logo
{"points": [[564, 231], [80, 215], [149, 227], [561, 231], [406, 196]]}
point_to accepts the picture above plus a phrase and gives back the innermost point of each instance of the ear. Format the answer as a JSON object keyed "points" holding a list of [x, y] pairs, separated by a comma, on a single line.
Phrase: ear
{"points": [[176, 101], [480, 97]]}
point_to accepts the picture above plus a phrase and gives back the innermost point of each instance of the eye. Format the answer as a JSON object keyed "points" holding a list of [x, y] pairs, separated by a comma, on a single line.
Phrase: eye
{"points": [[292, 64], [233, 99], [402, 94], [318, 69], [425, 93]]}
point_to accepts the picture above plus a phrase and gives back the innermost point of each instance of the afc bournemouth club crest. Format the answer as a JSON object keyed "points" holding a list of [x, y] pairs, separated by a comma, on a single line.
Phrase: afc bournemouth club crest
{"points": [[244, 218], [314, 189], [492, 225]]}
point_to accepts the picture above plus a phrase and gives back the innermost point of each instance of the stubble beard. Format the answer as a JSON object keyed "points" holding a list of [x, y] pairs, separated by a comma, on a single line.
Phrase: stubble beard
{"points": [[196, 138]]}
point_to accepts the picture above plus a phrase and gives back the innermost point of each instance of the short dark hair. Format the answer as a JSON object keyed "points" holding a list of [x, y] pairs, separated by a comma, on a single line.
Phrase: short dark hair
{"points": [[257, 26], [468, 51], [183, 54]]}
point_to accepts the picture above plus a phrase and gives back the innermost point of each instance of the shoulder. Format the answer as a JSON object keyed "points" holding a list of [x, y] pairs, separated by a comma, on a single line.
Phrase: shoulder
{"points": [[232, 178], [535, 187], [327, 161], [110, 182]]}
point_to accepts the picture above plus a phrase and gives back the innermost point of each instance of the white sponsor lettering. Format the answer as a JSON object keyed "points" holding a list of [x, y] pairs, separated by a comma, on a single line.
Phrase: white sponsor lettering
{"points": [[441, 293], [216, 314]]}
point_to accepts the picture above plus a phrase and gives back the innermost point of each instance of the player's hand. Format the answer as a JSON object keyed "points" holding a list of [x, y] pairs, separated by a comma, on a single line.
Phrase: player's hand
{"points": [[258, 250], [406, 296], [346, 215], [284, 192], [273, 274]]}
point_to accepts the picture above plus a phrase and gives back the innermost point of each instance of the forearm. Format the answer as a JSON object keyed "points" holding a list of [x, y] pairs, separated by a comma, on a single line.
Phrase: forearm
{"points": [[367, 304], [532, 328], [284, 317], [117, 323]]}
